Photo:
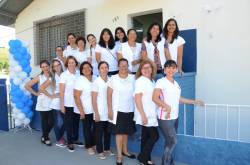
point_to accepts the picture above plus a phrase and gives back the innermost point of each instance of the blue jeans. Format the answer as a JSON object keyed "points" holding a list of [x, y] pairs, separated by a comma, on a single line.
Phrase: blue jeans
{"points": [[169, 129], [58, 124]]}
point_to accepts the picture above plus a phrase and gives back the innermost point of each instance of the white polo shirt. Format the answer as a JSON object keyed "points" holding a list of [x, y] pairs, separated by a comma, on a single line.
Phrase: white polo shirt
{"points": [[81, 56], [171, 93], [123, 89], [108, 55], [100, 87], [91, 53], [69, 51], [84, 85], [55, 103], [69, 79], [145, 86], [173, 48], [131, 54]]}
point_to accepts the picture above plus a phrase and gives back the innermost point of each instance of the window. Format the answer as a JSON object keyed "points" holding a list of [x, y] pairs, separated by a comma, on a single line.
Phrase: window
{"points": [[52, 32]]}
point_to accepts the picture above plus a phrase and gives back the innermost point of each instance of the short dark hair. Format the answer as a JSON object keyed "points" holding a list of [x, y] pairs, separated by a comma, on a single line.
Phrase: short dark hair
{"points": [[59, 47], [111, 42], [165, 30], [121, 60], [82, 65], [129, 30], [125, 38], [80, 38], [170, 63], [149, 36], [70, 58], [102, 62]]}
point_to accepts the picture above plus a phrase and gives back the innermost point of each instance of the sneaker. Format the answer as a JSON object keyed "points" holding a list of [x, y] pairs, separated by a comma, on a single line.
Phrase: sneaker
{"points": [[101, 156], [79, 144], [109, 153], [61, 143], [48, 142], [43, 140], [71, 148], [91, 151]]}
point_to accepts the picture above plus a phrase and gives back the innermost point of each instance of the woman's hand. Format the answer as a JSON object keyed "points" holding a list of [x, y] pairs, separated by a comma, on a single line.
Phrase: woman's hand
{"points": [[63, 109], [144, 119], [82, 115], [199, 102], [110, 115]]}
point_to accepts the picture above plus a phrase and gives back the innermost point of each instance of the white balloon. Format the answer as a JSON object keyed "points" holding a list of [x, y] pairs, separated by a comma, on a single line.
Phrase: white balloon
{"points": [[26, 121], [17, 68], [17, 81], [26, 80], [22, 86], [18, 122], [20, 116], [15, 110], [22, 75]]}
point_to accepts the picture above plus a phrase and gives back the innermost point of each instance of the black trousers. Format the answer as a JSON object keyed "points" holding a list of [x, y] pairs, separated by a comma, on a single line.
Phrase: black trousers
{"points": [[89, 130], [102, 136], [47, 122], [149, 136], [71, 124]]}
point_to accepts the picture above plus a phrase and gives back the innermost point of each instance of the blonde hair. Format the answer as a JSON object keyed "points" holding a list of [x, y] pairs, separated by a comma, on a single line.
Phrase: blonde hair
{"points": [[144, 62]]}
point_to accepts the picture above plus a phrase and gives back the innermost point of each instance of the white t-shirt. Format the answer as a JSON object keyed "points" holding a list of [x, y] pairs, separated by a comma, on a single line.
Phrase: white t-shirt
{"points": [[91, 53], [171, 93], [69, 51], [100, 86], [145, 86], [55, 103], [84, 85], [123, 89], [43, 101], [131, 54], [108, 55], [69, 79], [173, 48], [81, 57]]}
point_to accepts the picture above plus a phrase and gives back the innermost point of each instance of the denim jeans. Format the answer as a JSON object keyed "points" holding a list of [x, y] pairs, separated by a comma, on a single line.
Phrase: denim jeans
{"points": [[59, 127], [169, 129]]}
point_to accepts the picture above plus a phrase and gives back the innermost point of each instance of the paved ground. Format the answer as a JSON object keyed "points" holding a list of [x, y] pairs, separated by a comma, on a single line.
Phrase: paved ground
{"points": [[24, 148]]}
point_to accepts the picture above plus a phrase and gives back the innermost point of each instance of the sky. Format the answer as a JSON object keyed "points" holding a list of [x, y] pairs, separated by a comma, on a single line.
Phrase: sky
{"points": [[6, 34]]}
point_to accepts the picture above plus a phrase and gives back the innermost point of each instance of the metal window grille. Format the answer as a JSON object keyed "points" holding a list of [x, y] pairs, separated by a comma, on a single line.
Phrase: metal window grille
{"points": [[52, 32]]}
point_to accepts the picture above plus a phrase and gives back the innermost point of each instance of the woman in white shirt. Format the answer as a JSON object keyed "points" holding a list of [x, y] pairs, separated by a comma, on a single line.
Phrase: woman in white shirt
{"points": [[155, 48], [66, 88], [131, 50], [175, 42], [56, 70], [120, 36], [71, 48], [145, 111], [167, 96], [100, 107], [81, 54], [121, 108], [44, 97], [106, 50], [91, 53], [83, 101]]}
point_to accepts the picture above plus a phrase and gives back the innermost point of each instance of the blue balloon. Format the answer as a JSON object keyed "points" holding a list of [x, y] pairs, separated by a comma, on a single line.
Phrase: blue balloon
{"points": [[11, 43], [25, 99], [14, 99], [19, 105], [29, 115], [30, 103], [24, 63], [17, 44], [25, 110], [23, 51], [13, 51], [27, 69]]}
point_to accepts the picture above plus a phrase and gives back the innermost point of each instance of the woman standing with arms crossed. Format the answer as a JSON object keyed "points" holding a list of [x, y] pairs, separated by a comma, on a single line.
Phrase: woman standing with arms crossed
{"points": [[100, 107], [83, 101], [167, 96], [131, 50], [121, 108], [44, 97], [175, 42], [66, 86], [155, 48], [145, 111], [107, 51]]}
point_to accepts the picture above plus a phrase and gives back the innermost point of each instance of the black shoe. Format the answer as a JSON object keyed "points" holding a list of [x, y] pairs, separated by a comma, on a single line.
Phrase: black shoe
{"points": [[43, 140], [48, 142], [131, 156], [79, 144], [118, 163], [71, 148]]}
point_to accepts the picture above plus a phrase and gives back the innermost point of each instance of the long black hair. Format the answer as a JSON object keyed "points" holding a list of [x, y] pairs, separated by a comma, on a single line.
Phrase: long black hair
{"points": [[111, 42], [176, 32], [149, 36], [125, 38]]}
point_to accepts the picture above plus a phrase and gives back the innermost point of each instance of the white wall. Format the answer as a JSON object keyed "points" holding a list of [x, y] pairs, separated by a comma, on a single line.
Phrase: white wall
{"points": [[223, 38]]}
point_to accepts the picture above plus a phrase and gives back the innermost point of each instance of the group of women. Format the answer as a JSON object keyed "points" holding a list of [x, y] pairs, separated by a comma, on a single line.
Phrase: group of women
{"points": [[110, 87]]}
